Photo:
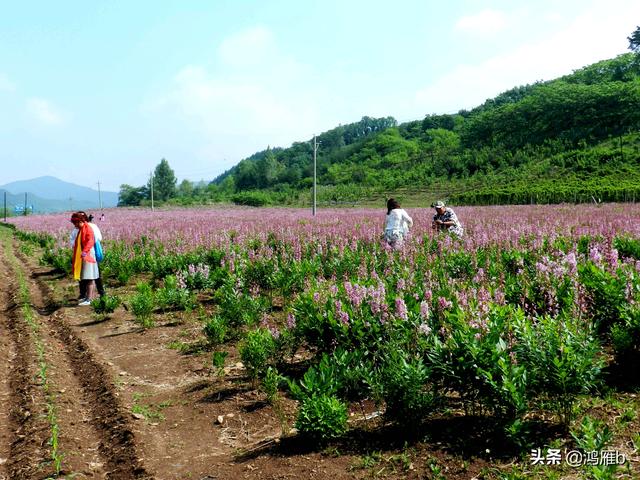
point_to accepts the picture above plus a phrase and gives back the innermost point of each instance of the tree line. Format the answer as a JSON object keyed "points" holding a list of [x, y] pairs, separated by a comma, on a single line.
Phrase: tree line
{"points": [[556, 135]]}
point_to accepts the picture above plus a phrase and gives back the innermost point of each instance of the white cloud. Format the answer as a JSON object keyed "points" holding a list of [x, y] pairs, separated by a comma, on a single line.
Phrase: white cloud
{"points": [[44, 112], [257, 97], [482, 23], [596, 34]]}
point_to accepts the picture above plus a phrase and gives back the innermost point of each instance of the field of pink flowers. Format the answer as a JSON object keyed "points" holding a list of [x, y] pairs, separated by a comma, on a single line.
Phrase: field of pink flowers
{"points": [[183, 229], [516, 321]]}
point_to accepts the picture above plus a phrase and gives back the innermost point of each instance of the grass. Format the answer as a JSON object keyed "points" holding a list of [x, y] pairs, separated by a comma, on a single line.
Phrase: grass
{"points": [[148, 411]]}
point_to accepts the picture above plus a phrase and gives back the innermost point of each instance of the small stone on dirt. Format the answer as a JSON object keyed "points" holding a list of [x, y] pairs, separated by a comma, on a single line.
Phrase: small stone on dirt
{"points": [[220, 419], [139, 416]]}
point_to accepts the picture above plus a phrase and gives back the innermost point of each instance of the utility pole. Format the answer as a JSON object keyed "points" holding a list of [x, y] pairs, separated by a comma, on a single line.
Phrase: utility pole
{"points": [[5, 207], [151, 182], [99, 196], [25, 204], [315, 187]]}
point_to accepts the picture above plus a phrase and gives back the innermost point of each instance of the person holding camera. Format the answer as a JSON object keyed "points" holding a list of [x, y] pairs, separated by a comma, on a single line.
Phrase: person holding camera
{"points": [[445, 220]]}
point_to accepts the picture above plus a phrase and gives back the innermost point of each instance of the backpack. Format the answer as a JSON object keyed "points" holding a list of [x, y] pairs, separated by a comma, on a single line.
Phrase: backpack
{"points": [[98, 250]]}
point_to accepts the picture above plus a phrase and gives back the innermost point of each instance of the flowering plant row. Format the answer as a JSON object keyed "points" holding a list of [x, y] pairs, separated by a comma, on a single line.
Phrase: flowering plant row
{"points": [[510, 321]]}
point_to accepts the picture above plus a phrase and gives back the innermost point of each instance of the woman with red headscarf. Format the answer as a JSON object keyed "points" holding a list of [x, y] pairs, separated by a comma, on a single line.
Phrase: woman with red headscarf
{"points": [[85, 266]]}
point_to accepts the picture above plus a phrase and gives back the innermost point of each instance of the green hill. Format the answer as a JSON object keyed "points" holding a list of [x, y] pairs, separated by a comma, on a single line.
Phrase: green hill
{"points": [[572, 139]]}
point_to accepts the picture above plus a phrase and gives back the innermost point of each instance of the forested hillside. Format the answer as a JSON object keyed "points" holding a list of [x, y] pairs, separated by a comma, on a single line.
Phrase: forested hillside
{"points": [[575, 138]]}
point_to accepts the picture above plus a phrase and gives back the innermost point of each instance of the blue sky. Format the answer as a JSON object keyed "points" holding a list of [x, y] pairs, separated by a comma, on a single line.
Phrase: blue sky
{"points": [[101, 91]]}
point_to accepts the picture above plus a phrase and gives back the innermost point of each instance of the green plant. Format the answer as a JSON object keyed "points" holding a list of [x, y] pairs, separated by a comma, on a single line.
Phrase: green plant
{"points": [[625, 336], [171, 295], [218, 358], [319, 380], [58, 258], [142, 305], [257, 351], [149, 412], [215, 329], [322, 417], [270, 384], [369, 460], [105, 304], [594, 436], [606, 293], [406, 389], [563, 360]]}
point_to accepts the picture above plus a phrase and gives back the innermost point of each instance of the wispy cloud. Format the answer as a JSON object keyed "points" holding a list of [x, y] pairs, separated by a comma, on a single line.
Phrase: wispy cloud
{"points": [[597, 34], [257, 95], [44, 112]]}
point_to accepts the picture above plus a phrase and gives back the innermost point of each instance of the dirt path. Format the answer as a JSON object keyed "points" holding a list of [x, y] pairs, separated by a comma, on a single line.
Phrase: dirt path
{"points": [[62, 406]]}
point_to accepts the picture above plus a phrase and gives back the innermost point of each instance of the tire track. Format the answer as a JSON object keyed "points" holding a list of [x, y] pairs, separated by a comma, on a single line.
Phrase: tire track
{"points": [[94, 430]]}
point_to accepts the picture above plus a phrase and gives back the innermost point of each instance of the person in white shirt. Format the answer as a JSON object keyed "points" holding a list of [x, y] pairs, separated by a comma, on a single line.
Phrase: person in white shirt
{"points": [[397, 224]]}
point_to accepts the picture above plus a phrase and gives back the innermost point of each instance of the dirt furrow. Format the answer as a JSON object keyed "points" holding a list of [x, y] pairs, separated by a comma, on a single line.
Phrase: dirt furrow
{"points": [[96, 437], [26, 436]]}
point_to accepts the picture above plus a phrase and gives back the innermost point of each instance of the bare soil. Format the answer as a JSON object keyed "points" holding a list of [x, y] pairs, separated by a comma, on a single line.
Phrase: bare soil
{"points": [[131, 404]]}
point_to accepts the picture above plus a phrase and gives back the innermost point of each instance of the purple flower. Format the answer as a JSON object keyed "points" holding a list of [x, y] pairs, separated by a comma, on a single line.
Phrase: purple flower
{"points": [[401, 309], [594, 255], [444, 304], [424, 329], [424, 310], [342, 316]]}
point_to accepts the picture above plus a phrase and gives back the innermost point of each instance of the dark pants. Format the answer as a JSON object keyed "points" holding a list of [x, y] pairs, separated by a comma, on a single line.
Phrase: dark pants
{"points": [[83, 287]]}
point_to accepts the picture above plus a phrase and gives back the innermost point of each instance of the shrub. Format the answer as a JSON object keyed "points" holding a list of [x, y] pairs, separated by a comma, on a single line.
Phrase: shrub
{"points": [[257, 351], [625, 336], [270, 384], [562, 358], [215, 329], [406, 389], [321, 379], [252, 199], [105, 304], [172, 295], [627, 247], [142, 304], [322, 417], [59, 258], [606, 293], [236, 307]]}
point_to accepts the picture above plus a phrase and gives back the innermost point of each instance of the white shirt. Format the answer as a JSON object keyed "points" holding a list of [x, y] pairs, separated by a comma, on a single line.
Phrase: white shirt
{"points": [[96, 233], [398, 221]]}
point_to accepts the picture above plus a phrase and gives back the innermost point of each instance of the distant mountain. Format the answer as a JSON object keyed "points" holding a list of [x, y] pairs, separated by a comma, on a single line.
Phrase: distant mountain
{"points": [[50, 194]]}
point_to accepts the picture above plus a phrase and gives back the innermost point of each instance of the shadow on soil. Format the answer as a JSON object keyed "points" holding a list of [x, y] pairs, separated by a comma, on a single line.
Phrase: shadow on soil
{"points": [[622, 375], [225, 393], [466, 436]]}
